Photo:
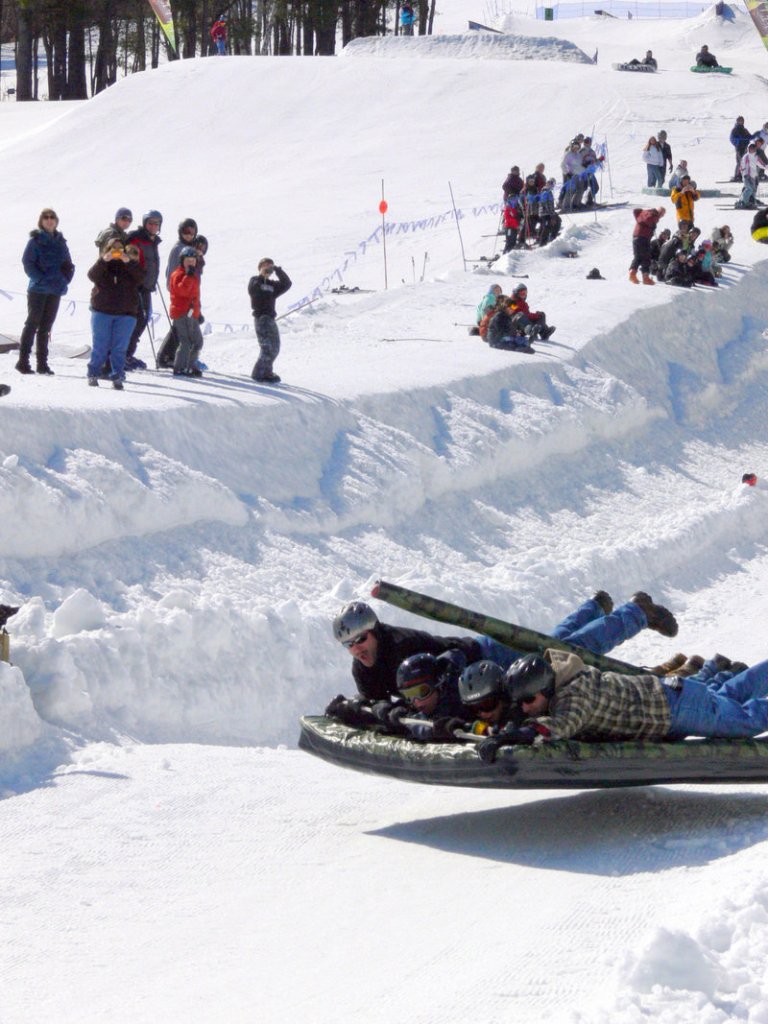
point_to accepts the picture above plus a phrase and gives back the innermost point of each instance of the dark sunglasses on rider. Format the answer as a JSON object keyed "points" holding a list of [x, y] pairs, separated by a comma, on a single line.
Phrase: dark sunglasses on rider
{"points": [[360, 639]]}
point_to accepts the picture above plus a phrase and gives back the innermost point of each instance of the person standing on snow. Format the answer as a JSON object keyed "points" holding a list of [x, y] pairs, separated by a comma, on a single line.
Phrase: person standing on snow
{"points": [[119, 229], [407, 18], [264, 290], [186, 316], [117, 277], [749, 167], [645, 225], [666, 152], [683, 198], [147, 239], [653, 158], [219, 36], [740, 138], [49, 267]]}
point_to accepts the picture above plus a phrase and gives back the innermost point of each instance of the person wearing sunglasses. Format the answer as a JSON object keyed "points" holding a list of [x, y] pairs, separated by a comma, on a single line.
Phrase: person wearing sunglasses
{"points": [[562, 698], [50, 269], [378, 649], [147, 239]]}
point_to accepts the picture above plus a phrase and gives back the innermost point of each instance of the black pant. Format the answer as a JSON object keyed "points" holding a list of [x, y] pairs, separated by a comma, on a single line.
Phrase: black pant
{"points": [[41, 313], [145, 312], [641, 248]]}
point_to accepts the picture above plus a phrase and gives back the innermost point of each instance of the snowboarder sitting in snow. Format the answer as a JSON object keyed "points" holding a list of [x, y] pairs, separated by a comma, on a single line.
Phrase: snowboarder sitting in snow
{"points": [[679, 270], [702, 267], [534, 325], [562, 698], [506, 330], [759, 227], [501, 303], [513, 216], [649, 61], [486, 305], [705, 59], [378, 649], [185, 313]]}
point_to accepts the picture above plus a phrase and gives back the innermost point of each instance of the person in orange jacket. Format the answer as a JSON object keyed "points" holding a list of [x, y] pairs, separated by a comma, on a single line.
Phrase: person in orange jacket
{"points": [[185, 314], [683, 197]]}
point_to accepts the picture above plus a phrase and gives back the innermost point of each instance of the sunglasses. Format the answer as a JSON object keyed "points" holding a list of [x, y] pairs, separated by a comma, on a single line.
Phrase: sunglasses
{"points": [[419, 691], [188, 231], [49, 216], [125, 217], [355, 641], [155, 222]]}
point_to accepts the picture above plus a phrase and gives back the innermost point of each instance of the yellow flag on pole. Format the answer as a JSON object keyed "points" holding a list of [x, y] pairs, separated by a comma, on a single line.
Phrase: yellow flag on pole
{"points": [[759, 11], [165, 16]]}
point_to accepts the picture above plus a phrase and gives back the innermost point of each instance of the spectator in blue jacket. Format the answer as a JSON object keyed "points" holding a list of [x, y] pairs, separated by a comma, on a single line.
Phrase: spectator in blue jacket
{"points": [[407, 18], [49, 267]]}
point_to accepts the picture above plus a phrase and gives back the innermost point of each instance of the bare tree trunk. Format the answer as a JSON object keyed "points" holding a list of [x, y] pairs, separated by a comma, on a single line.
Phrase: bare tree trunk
{"points": [[23, 56], [77, 81]]}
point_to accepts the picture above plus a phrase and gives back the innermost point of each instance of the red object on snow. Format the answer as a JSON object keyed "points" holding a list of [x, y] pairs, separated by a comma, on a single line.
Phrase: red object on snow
{"points": [[749, 478]]}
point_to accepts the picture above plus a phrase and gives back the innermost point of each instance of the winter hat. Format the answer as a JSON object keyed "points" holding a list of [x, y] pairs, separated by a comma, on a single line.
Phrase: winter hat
{"points": [[595, 275], [123, 212]]}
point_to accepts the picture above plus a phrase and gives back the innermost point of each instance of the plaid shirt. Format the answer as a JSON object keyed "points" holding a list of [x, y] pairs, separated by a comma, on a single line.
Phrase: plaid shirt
{"points": [[604, 705]]}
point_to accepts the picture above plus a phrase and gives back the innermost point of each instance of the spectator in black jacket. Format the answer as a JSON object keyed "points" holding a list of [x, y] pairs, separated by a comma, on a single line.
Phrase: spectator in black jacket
{"points": [[679, 270], [264, 290], [513, 183], [740, 138], [147, 239]]}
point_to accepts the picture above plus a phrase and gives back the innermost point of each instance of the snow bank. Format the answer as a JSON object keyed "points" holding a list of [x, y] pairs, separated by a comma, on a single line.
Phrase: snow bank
{"points": [[29, 748], [474, 46]]}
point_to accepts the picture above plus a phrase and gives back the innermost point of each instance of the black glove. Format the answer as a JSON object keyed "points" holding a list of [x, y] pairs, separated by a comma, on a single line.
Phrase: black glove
{"points": [[449, 665], [522, 737], [487, 749], [444, 728], [355, 712], [190, 271], [380, 711], [333, 707], [201, 319]]}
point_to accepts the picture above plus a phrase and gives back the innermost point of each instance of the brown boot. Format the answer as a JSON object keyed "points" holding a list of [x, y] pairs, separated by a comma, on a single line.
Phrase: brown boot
{"points": [[633, 277], [667, 667], [647, 279], [693, 665], [659, 618]]}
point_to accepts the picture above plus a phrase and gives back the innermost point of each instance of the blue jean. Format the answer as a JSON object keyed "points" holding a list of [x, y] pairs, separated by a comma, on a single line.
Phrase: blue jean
{"points": [[586, 627], [736, 710], [111, 335], [655, 175]]}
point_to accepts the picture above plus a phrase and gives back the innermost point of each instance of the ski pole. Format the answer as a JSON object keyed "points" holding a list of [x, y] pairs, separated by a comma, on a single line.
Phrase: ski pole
{"points": [[458, 226], [162, 299], [424, 267], [297, 308], [413, 268], [151, 336]]}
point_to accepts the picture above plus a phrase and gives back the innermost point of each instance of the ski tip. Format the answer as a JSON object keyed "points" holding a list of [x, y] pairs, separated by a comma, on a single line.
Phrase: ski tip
{"points": [[375, 588]]}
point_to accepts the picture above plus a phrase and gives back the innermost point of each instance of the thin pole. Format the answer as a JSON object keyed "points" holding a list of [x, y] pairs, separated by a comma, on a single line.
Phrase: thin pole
{"points": [[383, 208], [458, 226]]}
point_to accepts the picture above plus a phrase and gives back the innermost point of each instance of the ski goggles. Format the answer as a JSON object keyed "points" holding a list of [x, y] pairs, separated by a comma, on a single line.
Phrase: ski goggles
{"points": [[355, 641], [419, 691]]}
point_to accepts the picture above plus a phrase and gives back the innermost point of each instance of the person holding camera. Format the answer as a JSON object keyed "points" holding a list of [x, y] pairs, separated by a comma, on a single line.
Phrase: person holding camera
{"points": [[264, 290], [186, 316], [117, 276]]}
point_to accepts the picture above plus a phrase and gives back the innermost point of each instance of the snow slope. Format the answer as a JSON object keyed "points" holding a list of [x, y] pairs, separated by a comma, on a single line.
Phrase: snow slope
{"points": [[179, 549]]}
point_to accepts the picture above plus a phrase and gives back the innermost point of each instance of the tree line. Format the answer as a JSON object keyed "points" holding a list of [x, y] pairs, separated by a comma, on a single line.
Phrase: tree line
{"points": [[88, 44]]}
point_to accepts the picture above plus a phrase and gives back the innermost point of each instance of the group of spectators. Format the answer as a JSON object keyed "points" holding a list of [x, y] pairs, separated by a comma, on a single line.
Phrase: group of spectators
{"points": [[125, 276]]}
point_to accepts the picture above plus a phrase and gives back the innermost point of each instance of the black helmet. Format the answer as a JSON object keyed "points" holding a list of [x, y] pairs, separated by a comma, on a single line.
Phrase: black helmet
{"points": [[528, 676], [481, 680], [187, 223], [187, 252], [353, 620], [418, 670], [152, 215]]}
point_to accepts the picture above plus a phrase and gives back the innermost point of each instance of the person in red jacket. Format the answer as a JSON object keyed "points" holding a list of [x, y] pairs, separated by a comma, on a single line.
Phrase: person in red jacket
{"points": [[513, 215], [185, 314], [219, 35], [645, 225], [533, 325]]}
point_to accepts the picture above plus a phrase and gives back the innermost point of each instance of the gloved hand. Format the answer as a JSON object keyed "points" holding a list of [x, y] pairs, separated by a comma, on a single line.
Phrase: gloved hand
{"points": [[444, 728], [487, 749], [355, 711], [381, 709], [201, 319], [523, 737], [335, 704], [190, 271]]}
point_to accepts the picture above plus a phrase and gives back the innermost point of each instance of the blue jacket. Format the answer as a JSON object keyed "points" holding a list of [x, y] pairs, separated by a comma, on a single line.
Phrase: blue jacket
{"points": [[47, 263]]}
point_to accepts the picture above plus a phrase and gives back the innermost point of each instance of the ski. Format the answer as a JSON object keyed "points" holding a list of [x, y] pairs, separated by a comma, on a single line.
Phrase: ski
{"points": [[487, 260], [343, 290], [505, 632], [642, 68], [594, 206]]}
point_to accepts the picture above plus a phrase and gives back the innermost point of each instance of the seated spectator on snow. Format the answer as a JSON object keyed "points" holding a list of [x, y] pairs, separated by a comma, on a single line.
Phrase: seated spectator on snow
{"points": [[759, 227], [679, 240], [513, 216], [507, 331], [487, 303], [118, 229], [648, 61], [679, 270], [683, 198], [677, 174], [702, 267], [482, 327], [534, 325], [705, 59], [656, 246], [513, 183]]}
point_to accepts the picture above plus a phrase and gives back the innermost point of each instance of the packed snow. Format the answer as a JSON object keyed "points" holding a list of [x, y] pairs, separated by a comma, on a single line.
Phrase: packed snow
{"points": [[179, 549]]}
